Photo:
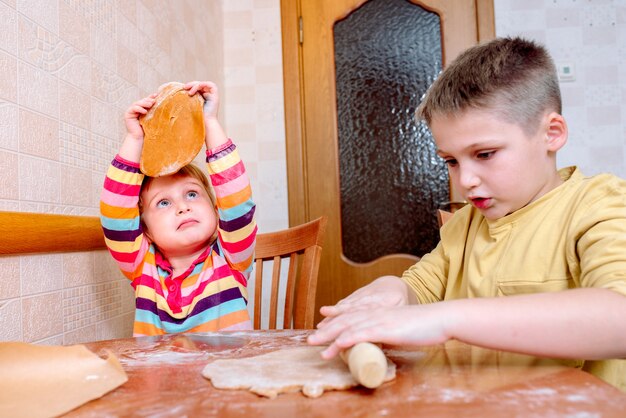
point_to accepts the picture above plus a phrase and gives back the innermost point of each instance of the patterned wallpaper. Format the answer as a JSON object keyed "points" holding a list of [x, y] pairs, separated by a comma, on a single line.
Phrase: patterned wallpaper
{"points": [[68, 70]]}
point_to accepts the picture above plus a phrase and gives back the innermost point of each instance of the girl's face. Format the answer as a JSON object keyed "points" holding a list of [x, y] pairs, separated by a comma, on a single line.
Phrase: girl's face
{"points": [[178, 215]]}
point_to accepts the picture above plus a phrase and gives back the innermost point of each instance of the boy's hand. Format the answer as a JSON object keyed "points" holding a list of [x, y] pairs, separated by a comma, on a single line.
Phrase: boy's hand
{"points": [[386, 291], [131, 116], [209, 92], [416, 325]]}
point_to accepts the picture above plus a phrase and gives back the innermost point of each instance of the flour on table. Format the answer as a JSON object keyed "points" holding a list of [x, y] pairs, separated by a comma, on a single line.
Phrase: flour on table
{"points": [[285, 370]]}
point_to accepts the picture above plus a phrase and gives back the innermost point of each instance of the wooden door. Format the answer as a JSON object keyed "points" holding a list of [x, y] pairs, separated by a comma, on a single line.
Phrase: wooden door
{"points": [[311, 123]]}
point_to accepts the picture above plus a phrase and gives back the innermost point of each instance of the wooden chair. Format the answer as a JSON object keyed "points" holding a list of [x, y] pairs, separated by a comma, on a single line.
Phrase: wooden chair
{"points": [[443, 216], [302, 246], [33, 233], [448, 209]]}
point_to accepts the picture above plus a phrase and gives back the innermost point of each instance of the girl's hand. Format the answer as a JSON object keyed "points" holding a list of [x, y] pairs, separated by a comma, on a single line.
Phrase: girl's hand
{"points": [[214, 134], [131, 116], [209, 92]]}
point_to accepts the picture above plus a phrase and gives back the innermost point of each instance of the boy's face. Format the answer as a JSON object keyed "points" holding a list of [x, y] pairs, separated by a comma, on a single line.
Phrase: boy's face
{"points": [[497, 166], [178, 215]]}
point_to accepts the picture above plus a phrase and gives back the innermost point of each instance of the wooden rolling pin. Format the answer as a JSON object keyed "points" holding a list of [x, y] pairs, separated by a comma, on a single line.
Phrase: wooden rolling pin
{"points": [[367, 364]]}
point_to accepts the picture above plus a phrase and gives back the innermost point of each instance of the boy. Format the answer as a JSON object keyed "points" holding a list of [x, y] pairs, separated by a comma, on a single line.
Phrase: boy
{"points": [[552, 241], [189, 269]]}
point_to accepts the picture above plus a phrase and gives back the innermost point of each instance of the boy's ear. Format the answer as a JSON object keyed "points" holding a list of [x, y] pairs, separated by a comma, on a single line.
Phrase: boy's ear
{"points": [[556, 131]]}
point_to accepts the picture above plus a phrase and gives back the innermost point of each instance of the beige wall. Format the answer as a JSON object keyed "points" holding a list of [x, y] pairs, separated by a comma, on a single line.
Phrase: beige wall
{"points": [[254, 104], [253, 83], [590, 37], [68, 70]]}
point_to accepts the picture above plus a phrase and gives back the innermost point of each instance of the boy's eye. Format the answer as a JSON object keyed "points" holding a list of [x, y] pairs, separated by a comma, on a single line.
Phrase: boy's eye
{"points": [[192, 194], [485, 155], [163, 203]]}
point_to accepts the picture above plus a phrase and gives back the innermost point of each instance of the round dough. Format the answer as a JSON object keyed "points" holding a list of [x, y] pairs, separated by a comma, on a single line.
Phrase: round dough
{"points": [[285, 370], [173, 131]]}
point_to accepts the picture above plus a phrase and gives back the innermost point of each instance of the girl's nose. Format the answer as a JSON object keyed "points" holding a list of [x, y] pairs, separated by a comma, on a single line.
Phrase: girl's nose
{"points": [[182, 208]]}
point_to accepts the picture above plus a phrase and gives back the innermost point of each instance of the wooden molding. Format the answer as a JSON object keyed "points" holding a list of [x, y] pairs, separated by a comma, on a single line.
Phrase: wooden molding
{"points": [[32, 233], [294, 120], [486, 20]]}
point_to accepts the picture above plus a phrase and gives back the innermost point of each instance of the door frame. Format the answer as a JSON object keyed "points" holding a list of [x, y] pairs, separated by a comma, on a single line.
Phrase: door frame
{"points": [[295, 136]]}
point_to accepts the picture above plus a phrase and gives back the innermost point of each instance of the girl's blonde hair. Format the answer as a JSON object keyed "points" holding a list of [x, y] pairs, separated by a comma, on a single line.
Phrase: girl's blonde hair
{"points": [[190, 170]]}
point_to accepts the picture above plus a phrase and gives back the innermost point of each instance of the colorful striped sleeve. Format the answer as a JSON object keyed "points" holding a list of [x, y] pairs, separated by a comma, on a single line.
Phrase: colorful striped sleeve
{"points": [[237, 225], [119, 215]]}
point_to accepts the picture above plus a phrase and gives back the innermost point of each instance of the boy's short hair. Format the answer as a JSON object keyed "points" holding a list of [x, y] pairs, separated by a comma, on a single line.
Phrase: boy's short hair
{"points": [[514, 77], [190, 170]]}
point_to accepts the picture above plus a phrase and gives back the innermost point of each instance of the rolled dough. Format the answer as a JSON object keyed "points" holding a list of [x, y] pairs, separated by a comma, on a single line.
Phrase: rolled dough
{"points": [[285, 370]]}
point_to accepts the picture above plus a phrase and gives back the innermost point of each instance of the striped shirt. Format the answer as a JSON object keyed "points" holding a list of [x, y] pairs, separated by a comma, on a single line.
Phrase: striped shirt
{"points": [[211, 295]]}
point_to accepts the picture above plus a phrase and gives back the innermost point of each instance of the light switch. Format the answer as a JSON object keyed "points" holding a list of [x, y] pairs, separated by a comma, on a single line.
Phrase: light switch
{"points": [[565, 71]]}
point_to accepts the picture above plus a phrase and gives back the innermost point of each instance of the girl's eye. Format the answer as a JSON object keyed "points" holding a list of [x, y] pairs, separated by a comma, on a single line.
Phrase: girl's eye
{"points": [[485, 155], [163, 203], [451, 162], [192, 195]]}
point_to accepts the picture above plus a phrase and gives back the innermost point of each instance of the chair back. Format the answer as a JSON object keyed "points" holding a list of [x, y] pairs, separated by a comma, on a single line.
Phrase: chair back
{"points": [[302, 245], [443, 216]]}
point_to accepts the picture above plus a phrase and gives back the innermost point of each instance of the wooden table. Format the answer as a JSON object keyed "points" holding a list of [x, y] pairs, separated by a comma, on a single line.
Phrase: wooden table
{"points": [[451, 380]]}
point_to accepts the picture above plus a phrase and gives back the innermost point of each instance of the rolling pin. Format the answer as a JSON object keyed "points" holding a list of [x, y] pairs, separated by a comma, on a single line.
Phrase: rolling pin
{"points": [[367, 364]]}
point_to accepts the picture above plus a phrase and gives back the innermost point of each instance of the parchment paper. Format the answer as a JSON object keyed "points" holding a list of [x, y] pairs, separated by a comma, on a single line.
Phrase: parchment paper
{"points": [[47, 381]]}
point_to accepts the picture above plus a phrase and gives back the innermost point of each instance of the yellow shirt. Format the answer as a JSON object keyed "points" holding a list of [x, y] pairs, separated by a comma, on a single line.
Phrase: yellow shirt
{"points": [[573, 236]]}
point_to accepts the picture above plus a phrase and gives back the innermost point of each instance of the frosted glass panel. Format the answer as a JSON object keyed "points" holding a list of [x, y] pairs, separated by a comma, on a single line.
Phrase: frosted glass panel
{"points": [[387, 53]]}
